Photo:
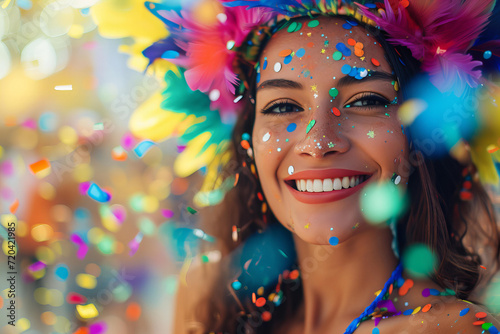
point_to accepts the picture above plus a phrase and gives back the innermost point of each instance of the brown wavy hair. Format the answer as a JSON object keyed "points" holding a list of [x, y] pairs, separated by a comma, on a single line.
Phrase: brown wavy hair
{"points": [[463, 234]]}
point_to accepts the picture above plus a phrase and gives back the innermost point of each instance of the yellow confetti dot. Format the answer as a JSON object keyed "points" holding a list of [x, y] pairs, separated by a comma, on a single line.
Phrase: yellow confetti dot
{"points": [[42, 232], [67, 135], [371, 134], [87, 311], [76, 31], [22, 325], [415, 311], [86, 281], [307, 226]]}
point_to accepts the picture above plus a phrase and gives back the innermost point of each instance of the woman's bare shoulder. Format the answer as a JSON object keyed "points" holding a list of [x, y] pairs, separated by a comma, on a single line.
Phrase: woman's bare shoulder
{"points": [[445, 315]]}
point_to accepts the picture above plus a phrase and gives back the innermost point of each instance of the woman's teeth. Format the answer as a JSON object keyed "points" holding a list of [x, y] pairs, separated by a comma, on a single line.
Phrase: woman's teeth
{"points": [[318, 185]]}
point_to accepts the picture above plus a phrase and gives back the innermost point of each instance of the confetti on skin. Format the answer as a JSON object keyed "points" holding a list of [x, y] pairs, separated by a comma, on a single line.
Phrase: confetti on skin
{"points": [[291, 127], [291, 170], [87, 311], [307, 225], [346, 69], [336, 111], [310, 125], [426, 308], [292, 27], [375, 62], [407, 285], [375, 331], [287, 60], [300, 53], [408, 312], [464, 311], [313, 24], [334, 241], [337, 55], [39, 166], [334, 92], [266, 137], [355, 227], [371, 134], [97, 194], [426, 292], [481, 315], [314, 88], [331, 145], [284, 53], [143, 147], [277, 67], [344, 49]]}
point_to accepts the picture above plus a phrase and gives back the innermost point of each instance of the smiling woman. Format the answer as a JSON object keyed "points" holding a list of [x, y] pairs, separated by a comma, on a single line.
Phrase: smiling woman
{"points": [[338, 222]]}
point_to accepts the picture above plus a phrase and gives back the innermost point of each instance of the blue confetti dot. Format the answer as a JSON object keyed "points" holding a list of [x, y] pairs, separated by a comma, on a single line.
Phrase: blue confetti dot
{"points": [[493, 330], [353, 72], [408, 312], [344, 49], [346, 69], [170, 54], [62, 272], [245, 136], [98, 194], [334, 241], [300, 52], [464, 311], [236, 285], [371, 5], [353, 23], [487, 54], [287, 60], [143, 147], [375, 331], [346, 26], [258, 77], [434, 292], [265, 65], [291, 127]]}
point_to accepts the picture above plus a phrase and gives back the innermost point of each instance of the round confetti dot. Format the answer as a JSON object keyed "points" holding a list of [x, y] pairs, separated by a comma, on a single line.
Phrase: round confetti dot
{"points": [[359, 52], [292, 27], [481, 315], [419, 260], [337, 55], [261, 301], [397, 180], [478, 323], [334, 241], [434, 292], [291, 127], [375, 331], [334, 92], [291, 170], [266, 316], [277, 67], [287, 60], [408, 312], [214, 95], [313, 24], [300, 52], [346, 26], [351, 42], [170, 54], [236, 285], [62, 272], [487, 54], [375, 62], [245, 136], [133, 311], [284, 53], [464, 311], [336, 111], [426, 292], [426, 308], [230, 45], [266, 137], [346, 69]]}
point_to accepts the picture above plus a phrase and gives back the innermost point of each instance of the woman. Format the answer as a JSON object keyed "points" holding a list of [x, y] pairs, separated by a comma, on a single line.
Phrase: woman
{"points": [[320, 127]]}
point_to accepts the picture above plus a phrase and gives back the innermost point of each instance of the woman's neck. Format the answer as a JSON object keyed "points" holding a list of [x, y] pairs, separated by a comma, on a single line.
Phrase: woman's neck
{"points": [[339, 282]]}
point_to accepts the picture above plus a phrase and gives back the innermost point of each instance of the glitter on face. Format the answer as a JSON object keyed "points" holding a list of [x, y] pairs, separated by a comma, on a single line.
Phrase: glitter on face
{"points": [[290, 170], [277, 67], [266, 137], [336, 111]]}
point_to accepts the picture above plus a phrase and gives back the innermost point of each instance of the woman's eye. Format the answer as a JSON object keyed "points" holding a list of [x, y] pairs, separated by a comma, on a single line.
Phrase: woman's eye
{"points": [[281, 108], [370, 101]]}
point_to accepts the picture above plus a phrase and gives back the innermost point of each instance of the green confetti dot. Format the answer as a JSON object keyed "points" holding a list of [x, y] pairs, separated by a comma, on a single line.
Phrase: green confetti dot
{"points": [[420, 261], [334, 92], [191, 210], [313, 24], [380, 202], [337, 55], [310, 125], [486, 325], [292, 27], [204, 258]]}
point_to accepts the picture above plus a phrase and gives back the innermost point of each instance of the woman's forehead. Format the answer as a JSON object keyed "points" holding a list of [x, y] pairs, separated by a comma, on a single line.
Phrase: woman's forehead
{"points": [[332, 41]]}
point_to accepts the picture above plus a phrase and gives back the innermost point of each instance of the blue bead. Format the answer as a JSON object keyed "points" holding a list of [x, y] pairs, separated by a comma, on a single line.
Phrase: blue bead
{"points": [[487, 54]]}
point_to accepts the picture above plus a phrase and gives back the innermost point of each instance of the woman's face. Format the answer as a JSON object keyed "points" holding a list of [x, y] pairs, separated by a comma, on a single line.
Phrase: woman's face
{"points": [[326, 117]]}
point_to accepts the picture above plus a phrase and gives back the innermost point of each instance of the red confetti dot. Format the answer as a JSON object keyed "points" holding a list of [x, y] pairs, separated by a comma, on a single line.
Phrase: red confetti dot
{"points": [[294, 274], [285, 53], [245, 144], [426, 308], [467, 184], [310, 45], [478, 323], [481, 315], [351, 41], [375, 62], [404, 3], [266, 316], [259, 195], [336, 111], [133, 311], [260, 302], [465, 195]]}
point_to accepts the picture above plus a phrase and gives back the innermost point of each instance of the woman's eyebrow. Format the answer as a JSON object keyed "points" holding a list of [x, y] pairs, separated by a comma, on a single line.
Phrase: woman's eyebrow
{"points": [[373, 75], [280, 83]]}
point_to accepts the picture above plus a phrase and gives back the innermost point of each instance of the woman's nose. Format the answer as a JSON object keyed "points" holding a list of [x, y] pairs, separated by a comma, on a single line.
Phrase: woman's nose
{"points": [[323, 136]]}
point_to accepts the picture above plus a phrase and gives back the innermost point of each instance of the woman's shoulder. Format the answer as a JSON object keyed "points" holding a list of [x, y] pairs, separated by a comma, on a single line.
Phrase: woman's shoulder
{"points": [[445, 314]]}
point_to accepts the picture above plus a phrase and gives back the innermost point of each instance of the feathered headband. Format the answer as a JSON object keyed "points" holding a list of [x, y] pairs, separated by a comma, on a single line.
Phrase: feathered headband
{"points": [[439, 33]]}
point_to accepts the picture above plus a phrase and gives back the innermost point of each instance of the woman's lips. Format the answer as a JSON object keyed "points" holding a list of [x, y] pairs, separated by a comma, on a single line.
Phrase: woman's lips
{"points": [[325, 197]]}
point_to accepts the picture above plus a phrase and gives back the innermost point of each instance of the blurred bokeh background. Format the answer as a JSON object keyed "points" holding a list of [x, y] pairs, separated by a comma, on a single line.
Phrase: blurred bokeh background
{"points": [[102, 219]]}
